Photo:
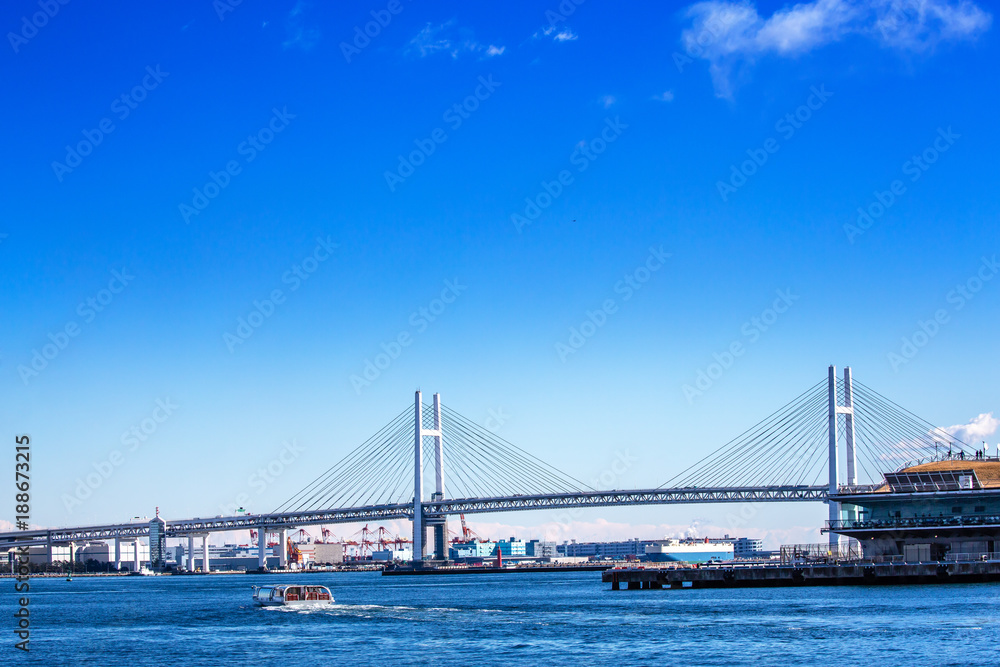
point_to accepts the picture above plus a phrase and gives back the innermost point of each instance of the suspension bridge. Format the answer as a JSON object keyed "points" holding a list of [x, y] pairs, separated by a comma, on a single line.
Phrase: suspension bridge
{"points": [[796, 454]]}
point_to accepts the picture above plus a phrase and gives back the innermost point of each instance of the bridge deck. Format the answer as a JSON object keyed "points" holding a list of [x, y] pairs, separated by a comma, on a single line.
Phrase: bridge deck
{"points": [[185, 527]]}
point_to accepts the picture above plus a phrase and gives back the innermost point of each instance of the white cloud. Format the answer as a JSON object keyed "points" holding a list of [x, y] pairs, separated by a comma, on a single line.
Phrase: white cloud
{"points": [[299, 35], [977, 430], [564, 35], [665, 96], [732, 34], [445, 38]]}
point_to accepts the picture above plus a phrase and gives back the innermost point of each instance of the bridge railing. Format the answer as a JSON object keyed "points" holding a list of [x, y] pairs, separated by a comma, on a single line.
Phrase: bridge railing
{"points": [[854, 489], [973, 556], [895, 523], [820, 553]]}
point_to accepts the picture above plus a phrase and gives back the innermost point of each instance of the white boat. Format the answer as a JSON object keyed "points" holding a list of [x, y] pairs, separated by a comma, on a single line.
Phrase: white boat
{"points": [[280, 596]]}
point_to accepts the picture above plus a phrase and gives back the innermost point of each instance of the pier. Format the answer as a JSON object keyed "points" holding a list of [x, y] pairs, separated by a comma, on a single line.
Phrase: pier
{"points": [[773, 576]]}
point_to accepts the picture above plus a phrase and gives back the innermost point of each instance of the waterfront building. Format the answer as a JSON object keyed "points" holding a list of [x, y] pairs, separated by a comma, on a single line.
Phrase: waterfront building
{"points": [[102, 552], [934, 511], [748, 547], [393, 555], [157, 542], [540, 549], [602, 550], [235, 563], [512, 547], [328, 553], [57, 553], [471, 549]]}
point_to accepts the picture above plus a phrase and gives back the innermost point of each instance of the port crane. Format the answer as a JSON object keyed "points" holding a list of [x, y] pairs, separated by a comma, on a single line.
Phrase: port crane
{"points": [[294, 555], [467, 533]]}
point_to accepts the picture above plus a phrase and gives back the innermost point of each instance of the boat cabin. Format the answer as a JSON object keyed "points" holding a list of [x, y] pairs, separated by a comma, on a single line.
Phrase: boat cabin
{"points": [[269, 596]]}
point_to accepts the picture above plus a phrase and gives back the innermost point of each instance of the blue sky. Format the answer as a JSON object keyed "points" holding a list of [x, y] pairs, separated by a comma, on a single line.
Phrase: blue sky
{"points": [[525, 161]]}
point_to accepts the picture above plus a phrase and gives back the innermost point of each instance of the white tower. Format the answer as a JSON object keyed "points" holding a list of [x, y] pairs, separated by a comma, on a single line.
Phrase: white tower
{"points": [[419, 521]]}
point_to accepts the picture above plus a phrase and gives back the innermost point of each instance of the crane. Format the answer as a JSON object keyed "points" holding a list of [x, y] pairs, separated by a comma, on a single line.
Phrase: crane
{"points": [[467, 533], [384, 542], [294, 555], [366, 541]]}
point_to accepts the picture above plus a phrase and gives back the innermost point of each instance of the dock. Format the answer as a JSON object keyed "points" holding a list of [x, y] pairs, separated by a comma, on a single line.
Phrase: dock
{"points": [[765, 576]]}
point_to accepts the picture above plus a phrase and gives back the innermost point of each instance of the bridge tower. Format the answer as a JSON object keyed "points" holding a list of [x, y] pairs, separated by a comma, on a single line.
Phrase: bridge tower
{"points": [[848, 411], [438, 524]]}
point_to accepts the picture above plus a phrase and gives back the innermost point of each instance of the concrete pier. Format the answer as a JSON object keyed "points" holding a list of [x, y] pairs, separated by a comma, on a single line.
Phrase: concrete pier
{"points": [[763, 576]]}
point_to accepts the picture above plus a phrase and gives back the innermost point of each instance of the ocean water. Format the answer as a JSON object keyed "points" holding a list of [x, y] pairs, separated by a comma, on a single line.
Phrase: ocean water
{"points": [[500, 619]]}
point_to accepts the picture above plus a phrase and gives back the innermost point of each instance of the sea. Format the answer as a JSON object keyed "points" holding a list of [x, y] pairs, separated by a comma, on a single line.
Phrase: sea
{"points": [[498, 620]]}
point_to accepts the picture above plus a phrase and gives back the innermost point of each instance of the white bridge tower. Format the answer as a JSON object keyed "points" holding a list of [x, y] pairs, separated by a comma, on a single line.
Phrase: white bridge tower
{"points": [[439, 524], [848, 411]]}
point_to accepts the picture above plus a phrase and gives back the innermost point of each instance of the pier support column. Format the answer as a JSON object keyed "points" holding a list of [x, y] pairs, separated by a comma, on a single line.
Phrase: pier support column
{"points": [[205, 566], [190, 553], [118, 553], [283, 548], [136, 560], [261, 548]]}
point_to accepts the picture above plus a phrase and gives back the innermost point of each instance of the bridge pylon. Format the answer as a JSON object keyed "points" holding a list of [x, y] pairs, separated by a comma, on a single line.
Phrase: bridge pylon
{"points": [[439, 524], [834, 465]]}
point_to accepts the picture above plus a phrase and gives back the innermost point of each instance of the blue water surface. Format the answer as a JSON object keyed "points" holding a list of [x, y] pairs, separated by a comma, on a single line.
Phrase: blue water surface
{"points": [[500, 619]]}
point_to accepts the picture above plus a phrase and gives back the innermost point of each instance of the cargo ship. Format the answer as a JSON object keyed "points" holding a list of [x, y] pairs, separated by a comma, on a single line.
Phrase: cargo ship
{"points": [[689, 551]]}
